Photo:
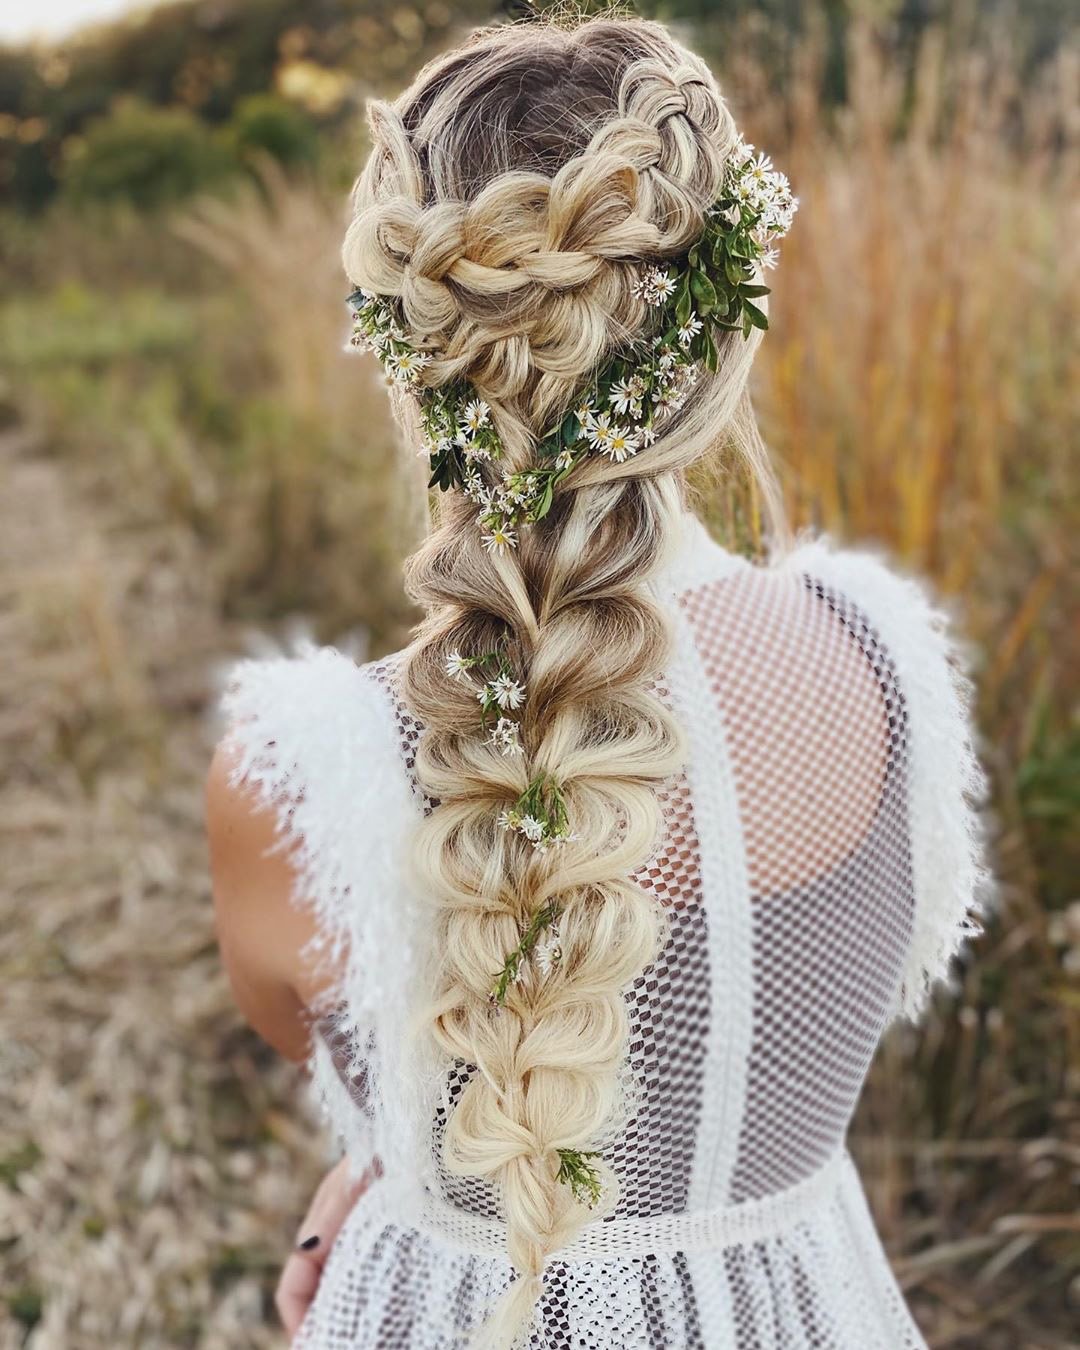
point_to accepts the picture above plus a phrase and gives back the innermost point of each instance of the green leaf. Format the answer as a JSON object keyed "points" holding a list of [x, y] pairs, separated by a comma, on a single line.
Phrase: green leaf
{"points": [[733, 270], [756, 316], [712, 358], [703, 290], [694, 256], [744, 289], [682, 300]]}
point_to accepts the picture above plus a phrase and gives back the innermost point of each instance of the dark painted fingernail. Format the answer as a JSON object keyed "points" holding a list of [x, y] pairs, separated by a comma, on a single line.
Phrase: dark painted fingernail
{"points": [[309, 1244]]}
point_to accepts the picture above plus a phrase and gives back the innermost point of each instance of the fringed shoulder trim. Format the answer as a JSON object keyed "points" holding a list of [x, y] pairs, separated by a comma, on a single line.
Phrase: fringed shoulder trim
{"points": [[316, 736], [949, 788]]}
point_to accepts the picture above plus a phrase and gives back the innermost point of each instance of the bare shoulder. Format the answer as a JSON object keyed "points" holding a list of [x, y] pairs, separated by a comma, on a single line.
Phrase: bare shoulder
{"points": [[261, 931]]}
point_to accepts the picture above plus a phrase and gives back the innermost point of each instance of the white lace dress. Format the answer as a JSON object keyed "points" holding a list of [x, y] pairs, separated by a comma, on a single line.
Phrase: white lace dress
{"points": [[822, 861]]}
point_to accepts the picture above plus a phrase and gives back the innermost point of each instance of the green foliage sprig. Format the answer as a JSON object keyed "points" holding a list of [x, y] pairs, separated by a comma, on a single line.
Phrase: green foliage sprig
{"points": [[545, 917], [580, 1175]]}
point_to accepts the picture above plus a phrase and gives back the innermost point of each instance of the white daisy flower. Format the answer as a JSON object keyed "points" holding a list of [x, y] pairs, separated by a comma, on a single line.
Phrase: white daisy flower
{"points": [[457, 665], [769, 258], [760, 168], [620, 445], [564, 459], [689, 330], [653, 285], [625, 395], [508, 820], [505, 736], [663, 285], [585, 413], [531, 828], [405, 366], [548, 951], [599, 433], [476, 415], [648, 436], [507, 692], [742, 154], [500, 539]]}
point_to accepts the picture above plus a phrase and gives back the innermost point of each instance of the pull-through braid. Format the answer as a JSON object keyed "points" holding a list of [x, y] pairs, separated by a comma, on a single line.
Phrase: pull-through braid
{"points": [[512, 194]]}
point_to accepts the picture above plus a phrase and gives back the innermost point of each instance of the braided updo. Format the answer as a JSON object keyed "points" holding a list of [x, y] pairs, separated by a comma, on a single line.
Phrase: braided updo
{"points": [[511, 196]]}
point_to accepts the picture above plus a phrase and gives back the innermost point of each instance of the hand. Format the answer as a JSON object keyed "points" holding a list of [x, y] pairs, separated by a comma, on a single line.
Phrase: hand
{"points": [[328, 1210]]}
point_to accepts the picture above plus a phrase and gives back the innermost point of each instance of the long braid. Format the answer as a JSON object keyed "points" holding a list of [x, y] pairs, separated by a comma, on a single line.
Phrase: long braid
{"points": [[509, 225]]}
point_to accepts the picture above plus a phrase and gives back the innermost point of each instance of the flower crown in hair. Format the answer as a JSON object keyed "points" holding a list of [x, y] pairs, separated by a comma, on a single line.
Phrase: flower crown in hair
{"points": [[631, 394]]}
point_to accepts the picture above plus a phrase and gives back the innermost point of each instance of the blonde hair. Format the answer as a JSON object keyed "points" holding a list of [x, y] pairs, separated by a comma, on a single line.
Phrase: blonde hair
{"points": [[511, 194]]}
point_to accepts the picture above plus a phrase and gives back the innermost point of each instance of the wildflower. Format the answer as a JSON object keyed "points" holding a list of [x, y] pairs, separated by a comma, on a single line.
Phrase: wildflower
{"points": [[625, 395], [505, 737], [600, 432], [457, 665], [548, 951], [508, 820], [690, 330], [475, 415], [654, 285], [584, 413], [506, 692], [564, 459], [406, 365], [500, 539], [621, 445], [532, 829]]}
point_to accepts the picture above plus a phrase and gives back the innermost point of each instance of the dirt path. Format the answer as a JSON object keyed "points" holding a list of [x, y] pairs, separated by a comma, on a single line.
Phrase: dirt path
{"points": [[155, 1158]]}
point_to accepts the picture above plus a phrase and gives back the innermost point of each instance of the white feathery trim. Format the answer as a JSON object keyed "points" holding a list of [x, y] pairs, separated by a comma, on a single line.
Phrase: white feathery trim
{"points": [[951, 820], [315, 736]]}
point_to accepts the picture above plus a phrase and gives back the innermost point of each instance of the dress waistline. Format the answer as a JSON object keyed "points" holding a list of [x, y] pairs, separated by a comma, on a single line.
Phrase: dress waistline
{"points": [[700, 1230]]}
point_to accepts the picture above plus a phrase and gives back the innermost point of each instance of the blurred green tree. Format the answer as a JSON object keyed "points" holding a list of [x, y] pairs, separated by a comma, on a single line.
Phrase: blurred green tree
{"points": [[266, 122], [145, 155]]}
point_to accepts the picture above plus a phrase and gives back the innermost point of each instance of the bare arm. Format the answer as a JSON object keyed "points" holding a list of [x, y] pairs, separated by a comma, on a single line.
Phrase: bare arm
{"points": [[260, 930]]}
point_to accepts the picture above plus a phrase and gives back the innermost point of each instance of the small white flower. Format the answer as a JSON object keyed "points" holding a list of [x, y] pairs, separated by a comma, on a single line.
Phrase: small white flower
{"points": [[457, 666], [405, 366], [689, 330], [475, 415], [654, 285], [531, 828], [564, 459], [625, 395], [621, 445], [500, 539], [770, 257], [508, 820], [648, 436], [507, 692], [742, 154], [663, 285], [548, 951], [505, 736], [585, 412], [599, 432], [476, 490]]}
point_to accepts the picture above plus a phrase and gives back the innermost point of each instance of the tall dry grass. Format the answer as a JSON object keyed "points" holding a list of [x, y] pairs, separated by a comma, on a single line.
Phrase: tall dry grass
{"points": [[178, 477]]}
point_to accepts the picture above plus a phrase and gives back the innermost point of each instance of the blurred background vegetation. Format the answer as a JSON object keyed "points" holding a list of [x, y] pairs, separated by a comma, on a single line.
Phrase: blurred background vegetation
{"points": [[188, 461]]}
